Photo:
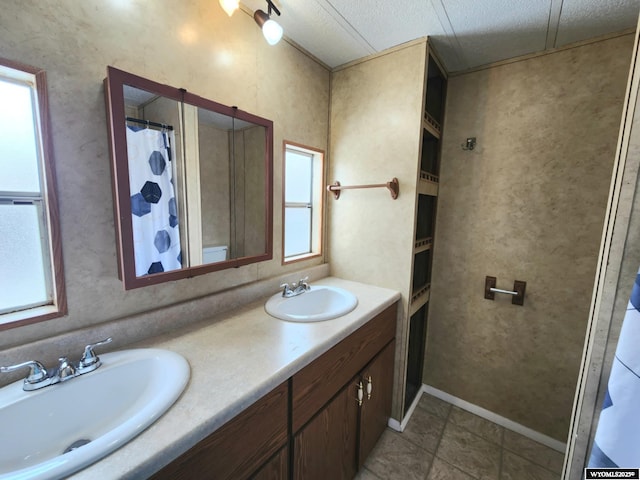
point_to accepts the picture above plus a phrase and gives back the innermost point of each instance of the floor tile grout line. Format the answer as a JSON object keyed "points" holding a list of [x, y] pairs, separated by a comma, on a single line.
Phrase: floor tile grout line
{"points": [[532, 462], [503, 431], [448, 420], [420, 447], [435, 454], [457, 468], [416, 444], [518, 454], [408, 440], [499, 445], [477, 434], [442, 435]]}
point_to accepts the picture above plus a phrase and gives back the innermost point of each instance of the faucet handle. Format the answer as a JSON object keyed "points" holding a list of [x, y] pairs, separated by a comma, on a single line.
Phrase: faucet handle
{"points": [[286, 289], [37, 372], [89, 358], [66, 370], [303, 283]]}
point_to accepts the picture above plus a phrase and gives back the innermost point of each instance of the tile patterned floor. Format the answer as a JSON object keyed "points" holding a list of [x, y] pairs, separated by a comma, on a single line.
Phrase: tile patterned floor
{"points": [[444, 442]]}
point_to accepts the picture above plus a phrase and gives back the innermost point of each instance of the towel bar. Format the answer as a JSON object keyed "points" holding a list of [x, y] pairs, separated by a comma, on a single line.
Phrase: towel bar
{"points": [[499, 290], [519, 288], [393, 186]]}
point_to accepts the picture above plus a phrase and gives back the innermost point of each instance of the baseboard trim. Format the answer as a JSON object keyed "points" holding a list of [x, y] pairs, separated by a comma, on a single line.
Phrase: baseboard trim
{"points": [[400, 426], [495, 418]]}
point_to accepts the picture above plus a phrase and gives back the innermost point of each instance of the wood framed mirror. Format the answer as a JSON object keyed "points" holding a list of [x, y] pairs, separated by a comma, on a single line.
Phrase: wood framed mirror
{"points": [[192, 182]]}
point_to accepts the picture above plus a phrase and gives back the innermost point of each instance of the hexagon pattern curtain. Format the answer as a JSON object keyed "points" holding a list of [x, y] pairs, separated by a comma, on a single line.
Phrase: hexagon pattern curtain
{"points": [[156, 235], [617, 439]]}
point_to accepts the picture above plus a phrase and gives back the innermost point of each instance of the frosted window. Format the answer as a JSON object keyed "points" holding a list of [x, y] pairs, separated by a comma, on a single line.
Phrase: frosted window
{"points": [[297, 231], [298, 171], [28, 271], [22, 282], [298, 195], [19, 170]]}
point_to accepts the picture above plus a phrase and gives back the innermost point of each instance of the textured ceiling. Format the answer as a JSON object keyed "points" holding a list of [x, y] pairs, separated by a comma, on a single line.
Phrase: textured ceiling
{"points": [[466, 33]]}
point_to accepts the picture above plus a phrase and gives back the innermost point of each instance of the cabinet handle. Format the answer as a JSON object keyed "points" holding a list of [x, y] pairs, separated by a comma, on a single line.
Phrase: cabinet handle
{"points": [[360, 393], [369, 387]]}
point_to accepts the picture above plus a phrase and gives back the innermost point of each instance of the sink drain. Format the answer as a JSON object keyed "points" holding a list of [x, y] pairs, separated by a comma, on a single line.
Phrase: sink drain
{"points": [[76, 444]]}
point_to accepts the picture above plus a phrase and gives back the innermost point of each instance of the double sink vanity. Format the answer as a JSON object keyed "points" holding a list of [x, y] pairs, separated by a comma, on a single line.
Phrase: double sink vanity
{"points": [[263, 397], [297, 385]]}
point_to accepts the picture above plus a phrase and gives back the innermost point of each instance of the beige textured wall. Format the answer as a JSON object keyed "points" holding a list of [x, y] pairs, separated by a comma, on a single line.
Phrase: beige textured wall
{"points": [[190, 44], [527, 204], [376, 111]]}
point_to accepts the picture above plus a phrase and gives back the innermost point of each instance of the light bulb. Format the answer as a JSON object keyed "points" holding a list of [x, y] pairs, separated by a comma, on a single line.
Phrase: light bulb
{"points": [[272, 31], [229, 6]]}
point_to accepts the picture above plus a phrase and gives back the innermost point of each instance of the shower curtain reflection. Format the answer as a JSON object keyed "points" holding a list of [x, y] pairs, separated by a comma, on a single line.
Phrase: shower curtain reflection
{"points": [[156, 235]]}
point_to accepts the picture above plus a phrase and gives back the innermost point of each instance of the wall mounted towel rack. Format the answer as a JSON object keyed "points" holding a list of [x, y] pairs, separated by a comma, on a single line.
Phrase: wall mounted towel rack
{"points": [[519, 287], [393, 186]]}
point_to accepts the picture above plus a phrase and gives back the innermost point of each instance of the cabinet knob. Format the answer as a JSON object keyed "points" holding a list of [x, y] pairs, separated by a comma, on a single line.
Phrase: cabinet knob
{"points": [[369, 387], [360, 393]]}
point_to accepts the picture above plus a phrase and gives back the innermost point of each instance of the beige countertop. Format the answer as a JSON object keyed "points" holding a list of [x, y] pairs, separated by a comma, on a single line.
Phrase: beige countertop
{"points": [[235, 359]]}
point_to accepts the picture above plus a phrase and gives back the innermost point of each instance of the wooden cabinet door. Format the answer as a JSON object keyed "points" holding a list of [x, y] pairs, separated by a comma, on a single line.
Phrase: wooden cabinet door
{"points": [[326, 447], [375, 411], [275, 469], [318, 382]]}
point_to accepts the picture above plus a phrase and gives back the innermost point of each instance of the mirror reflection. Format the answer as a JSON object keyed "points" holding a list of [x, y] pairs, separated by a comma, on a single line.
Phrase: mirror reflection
{"points": [[152, 162], [231, 154], [198, 177]]}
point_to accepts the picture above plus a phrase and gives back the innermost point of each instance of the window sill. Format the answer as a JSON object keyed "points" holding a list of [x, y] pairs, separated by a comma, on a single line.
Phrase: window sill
{"points": [[32, 315], [299, 258]]}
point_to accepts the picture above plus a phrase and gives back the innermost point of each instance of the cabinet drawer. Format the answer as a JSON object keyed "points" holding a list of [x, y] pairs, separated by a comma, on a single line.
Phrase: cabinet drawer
{"points": [[318, 382], [238, 448]]}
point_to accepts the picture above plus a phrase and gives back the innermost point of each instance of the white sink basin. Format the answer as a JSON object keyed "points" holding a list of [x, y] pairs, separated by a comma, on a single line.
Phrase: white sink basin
{"points": [[321, 302], [108, 407]]}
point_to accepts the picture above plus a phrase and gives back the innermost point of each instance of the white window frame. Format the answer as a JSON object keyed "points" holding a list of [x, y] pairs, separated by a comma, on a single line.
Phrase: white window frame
{"points": [[315, 204], [45, 202]]}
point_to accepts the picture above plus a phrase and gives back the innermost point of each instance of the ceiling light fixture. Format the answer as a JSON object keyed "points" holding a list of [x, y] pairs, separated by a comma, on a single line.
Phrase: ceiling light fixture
{"points": [[271, 29], [229, 6]]}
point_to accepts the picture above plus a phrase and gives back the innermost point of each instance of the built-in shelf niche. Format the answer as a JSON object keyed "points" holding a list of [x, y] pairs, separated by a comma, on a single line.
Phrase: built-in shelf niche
{"points": [[434, 99], [431, 125], [429, 162], [426, 205], [423, 244], [424, 223], [421, 271], [420, 298], [415, 354], [428, 184], [430, 156]]}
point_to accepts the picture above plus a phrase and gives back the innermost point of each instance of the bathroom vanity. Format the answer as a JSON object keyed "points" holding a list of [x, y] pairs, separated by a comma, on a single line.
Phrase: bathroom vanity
{"points": [[272, 399], [340, 404]]}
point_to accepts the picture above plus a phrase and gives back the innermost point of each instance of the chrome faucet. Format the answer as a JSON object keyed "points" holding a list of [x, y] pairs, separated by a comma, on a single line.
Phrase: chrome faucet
{"points": [[39, 377], [295, 289], [66, 369]]}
